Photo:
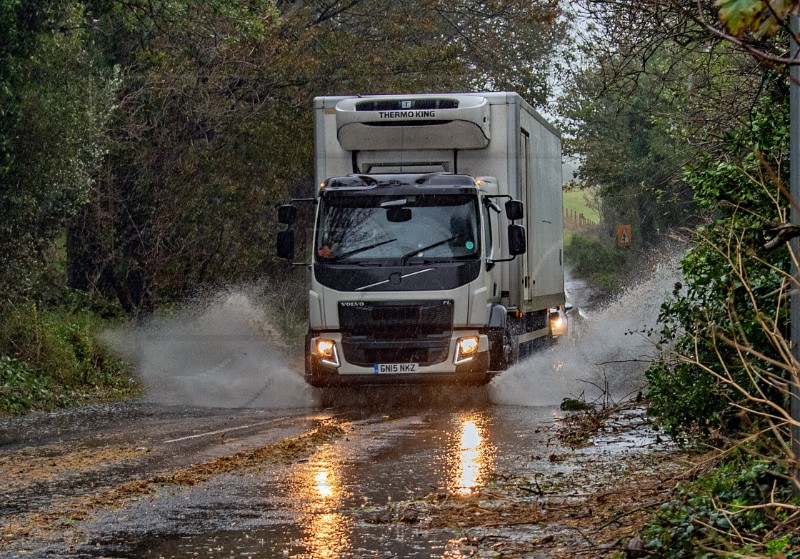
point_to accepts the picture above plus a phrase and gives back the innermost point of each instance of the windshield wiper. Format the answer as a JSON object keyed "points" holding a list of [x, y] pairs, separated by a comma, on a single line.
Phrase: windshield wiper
{"points": [[338, 257], [408, 255]]}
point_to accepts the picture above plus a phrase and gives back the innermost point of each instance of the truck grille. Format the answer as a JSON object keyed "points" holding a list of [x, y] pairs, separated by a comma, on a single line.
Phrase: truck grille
{"points": [[390, 320], [396, 332]]}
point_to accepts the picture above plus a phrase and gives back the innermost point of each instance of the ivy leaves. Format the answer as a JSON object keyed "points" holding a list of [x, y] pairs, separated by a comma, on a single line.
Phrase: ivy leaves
{"points": [[730, 288], [762, 18]]}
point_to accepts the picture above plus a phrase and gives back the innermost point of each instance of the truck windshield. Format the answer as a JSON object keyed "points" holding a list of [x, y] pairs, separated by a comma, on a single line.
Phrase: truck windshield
{"points": [[405, 229]]}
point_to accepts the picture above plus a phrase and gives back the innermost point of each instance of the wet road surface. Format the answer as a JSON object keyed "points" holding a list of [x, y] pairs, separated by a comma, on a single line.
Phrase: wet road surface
{"points": [[350, 480], [378, 472]]}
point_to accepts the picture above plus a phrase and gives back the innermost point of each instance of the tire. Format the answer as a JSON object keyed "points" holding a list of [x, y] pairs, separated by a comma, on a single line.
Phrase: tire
{"points": [[504, 350], [514, 355]]}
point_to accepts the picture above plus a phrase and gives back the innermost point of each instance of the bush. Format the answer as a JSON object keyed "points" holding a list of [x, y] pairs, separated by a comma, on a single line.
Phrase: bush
{"points": [[51, 358], [20, 389], [732, 510], [598, 261], [727, 329]]}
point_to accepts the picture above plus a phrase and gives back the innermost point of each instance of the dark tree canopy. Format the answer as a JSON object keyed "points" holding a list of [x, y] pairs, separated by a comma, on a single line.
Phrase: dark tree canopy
{"points": [[153, 138]]}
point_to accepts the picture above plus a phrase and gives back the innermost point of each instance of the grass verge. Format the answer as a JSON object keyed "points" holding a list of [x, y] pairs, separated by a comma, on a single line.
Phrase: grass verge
{"points": [[50, 358]]}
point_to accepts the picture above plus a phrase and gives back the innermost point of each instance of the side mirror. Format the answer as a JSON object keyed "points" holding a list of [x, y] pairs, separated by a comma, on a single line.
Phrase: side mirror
{"points": [[516, 240], [514, 210], [287, 214], [285, 244]]}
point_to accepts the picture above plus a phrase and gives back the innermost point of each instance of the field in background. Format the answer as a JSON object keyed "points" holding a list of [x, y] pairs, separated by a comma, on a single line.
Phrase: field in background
{"points": [[576, 203], [576, 200]]}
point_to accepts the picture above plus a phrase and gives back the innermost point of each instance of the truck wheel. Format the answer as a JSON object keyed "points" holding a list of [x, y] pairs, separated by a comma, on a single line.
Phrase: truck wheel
{"points": [[504, 350], [495, 350], [513, 349]]}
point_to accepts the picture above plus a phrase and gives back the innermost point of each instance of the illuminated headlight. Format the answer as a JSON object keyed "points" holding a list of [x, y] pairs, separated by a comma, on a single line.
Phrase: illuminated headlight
{"points": [[466, 348], [558, 323], [326, 352]]}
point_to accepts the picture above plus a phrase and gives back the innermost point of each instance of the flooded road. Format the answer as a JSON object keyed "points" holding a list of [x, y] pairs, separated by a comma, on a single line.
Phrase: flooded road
{"points": [[230, 454], [368, 477]]}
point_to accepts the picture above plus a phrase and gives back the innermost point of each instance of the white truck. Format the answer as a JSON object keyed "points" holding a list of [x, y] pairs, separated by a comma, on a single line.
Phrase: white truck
{"points": [[417, 274]]}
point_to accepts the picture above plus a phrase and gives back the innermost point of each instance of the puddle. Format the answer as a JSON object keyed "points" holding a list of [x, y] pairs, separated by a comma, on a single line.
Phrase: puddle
{"points": [[409, 450], [470, 483]]}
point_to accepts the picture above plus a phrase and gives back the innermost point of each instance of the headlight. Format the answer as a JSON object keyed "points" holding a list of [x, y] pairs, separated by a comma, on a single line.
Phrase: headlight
{"points": [[326, 352], [466, 348], [558, 323]]}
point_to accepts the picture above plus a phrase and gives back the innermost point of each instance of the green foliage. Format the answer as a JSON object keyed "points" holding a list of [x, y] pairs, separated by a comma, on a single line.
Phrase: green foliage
{"points": [[657, 92], [761, 17], [732, 283], [573, 404], [213, 120], [55, 101], [51, 358], [626, 137], [724, 511], [20, 389], [599, 261]]}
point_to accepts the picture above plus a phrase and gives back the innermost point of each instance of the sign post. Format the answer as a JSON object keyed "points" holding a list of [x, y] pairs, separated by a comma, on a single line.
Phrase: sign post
{"points": [[794, 107]]}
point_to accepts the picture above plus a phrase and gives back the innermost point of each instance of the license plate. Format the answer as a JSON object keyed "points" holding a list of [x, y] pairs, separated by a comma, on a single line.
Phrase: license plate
{"points": [[389, 368]]}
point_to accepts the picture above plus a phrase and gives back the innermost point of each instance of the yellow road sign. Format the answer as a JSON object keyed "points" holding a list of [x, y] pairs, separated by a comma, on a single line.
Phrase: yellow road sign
{"points": [[624, 236]]}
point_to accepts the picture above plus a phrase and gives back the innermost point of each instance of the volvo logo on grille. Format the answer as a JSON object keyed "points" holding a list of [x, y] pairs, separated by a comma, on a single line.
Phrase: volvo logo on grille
{"points": [[351, 303]]}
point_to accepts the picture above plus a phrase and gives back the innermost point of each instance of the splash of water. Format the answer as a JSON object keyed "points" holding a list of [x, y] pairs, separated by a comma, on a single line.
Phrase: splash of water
{"points": [[221, 352], [605, 355]]}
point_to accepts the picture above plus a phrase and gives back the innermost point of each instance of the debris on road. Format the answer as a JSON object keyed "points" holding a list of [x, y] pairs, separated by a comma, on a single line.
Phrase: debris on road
{"points": [[594, 510]]}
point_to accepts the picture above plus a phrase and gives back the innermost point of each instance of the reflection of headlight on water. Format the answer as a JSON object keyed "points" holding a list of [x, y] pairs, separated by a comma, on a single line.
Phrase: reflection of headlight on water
{"points": [[470, 436], [470, 460], [470, 466], [327, 533], [324, 487]]}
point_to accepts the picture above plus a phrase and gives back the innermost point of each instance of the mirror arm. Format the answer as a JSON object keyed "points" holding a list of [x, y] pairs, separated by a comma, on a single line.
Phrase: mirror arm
{"points": [[495, 260], [488, 196]]}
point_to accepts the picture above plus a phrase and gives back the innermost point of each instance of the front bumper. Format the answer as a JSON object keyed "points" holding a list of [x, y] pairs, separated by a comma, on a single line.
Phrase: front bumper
{"points": [[473, 372]]}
